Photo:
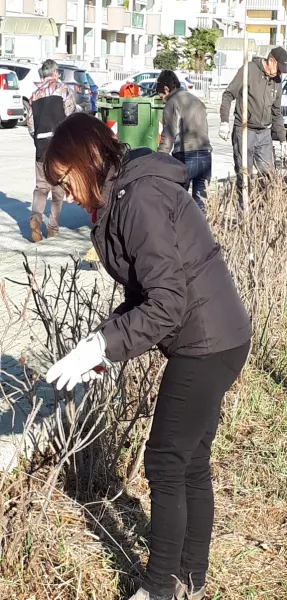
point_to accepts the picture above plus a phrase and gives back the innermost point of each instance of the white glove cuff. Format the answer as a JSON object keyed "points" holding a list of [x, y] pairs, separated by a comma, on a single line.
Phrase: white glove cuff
{"points": [[99, 336]]}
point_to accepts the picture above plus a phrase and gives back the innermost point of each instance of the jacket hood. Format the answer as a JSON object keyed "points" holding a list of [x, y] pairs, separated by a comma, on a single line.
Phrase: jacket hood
{"points": [[259, 63], [258, 60], [142, 162]]}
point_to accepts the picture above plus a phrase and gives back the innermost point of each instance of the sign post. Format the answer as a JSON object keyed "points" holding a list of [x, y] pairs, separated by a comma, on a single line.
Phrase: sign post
{"points": [[219, 61]]}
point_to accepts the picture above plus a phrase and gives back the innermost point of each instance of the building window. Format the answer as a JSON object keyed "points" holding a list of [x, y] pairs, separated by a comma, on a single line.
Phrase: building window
{"points": [[149, 44], [179, 27], [137, 20], [10, 46]]}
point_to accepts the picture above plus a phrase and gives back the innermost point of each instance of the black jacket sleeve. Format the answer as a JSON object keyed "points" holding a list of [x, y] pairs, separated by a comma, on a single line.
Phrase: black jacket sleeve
{"points": [[277, 119], [230, 94], [131, 300], [151, 245]]}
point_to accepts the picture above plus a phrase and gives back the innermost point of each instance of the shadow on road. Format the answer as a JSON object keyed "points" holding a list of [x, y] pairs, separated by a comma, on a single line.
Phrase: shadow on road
{"points": [[72, 216]]}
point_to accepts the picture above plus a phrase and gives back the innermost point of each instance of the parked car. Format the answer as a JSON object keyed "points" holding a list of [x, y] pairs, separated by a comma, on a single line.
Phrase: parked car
{"points": [[148, 87], [114, 86], [146, 76], [28, 75], [76, 79], [94, 94], [11, 107]]}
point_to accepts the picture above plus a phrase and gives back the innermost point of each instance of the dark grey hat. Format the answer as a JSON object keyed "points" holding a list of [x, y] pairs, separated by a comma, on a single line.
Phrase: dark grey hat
{"points": [[281, 56]]}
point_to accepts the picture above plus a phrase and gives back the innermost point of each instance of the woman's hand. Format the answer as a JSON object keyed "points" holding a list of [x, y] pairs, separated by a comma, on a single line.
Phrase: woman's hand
{"points": [[79, 365]]}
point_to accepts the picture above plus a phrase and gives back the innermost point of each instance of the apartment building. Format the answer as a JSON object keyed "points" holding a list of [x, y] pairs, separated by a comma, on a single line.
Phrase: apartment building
{"points": [[177, 16], [265, 19], [114, 34]]}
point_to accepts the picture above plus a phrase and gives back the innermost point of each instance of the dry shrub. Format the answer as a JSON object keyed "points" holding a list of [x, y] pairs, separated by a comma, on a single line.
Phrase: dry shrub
{"points": [[91, 448], [255, 248]]}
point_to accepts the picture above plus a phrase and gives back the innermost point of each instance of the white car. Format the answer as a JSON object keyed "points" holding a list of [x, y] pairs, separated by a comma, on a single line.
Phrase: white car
{"points": [[11, 107], [115, 86], [28, 75], [146, 76], [148, 87]]}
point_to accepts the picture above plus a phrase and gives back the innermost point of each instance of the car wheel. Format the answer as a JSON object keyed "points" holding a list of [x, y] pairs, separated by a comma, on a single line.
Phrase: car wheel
{"points": [[9, 124], [23, 120]]}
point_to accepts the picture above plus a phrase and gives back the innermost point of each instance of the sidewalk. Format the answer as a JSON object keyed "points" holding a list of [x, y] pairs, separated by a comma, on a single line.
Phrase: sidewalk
{"points": [[24, 340]]}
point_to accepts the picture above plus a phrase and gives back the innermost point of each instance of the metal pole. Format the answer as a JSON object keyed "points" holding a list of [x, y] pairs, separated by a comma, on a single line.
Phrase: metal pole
{"points": [[245, 195], [84, 20], [219, 77]]}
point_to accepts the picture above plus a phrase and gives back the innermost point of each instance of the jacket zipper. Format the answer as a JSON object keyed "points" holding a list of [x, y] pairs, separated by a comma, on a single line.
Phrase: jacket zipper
{"points": [[98, 249]]}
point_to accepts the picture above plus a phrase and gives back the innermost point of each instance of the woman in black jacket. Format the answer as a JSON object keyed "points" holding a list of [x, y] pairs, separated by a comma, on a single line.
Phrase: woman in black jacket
{"points": [[152, 238]]}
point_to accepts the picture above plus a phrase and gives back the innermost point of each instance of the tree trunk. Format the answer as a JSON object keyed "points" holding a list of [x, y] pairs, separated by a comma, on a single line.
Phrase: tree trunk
{"points": [[199, 63]]}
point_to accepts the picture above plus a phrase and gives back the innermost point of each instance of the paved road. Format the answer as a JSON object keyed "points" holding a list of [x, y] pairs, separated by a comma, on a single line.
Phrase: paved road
{"points": [[16, 187], [17, 180]]}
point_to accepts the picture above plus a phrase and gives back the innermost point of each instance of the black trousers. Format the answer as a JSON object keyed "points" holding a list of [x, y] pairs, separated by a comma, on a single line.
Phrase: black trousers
{"points": [[177, 464]]}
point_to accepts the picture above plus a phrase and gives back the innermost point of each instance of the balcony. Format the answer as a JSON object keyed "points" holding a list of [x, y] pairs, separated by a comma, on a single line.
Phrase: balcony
{"points": [[72, 11], [153, 24], [263, 4], [137, 20], [90, 14], [118, 18], [57, 10], [14, 6]]}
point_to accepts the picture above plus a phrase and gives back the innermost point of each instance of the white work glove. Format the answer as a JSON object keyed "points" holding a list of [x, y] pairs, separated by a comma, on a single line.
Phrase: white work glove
{"points": [[224, 131], [284, 150], [79, 365]]}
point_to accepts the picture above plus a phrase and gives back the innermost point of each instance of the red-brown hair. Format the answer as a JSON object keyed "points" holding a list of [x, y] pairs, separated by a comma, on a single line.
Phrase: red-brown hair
{"points": [[87, 148]]}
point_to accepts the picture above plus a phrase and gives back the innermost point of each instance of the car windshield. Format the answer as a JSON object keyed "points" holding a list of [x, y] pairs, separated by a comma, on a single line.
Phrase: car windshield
{"points": [[147, 84], [81, 77], [284, 91]]}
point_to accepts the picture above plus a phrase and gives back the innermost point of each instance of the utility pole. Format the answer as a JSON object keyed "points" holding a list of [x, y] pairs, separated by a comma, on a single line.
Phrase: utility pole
{"points": [[245, 194]]}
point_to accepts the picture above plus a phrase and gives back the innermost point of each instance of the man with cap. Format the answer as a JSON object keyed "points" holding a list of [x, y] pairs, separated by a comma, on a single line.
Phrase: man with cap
{"points": [[264, 113]]}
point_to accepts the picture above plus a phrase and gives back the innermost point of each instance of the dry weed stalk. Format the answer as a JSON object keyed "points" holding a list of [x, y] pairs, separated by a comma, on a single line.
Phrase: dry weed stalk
{"points": [[100, 420], [255, 248], [91, 446]]}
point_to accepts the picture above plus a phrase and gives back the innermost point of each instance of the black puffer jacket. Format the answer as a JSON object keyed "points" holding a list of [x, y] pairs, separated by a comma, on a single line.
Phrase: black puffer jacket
{"points": [[154, 240]]}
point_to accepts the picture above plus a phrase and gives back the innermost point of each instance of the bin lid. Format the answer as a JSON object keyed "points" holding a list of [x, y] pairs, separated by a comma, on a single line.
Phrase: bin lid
{"points": [[117, 102]]}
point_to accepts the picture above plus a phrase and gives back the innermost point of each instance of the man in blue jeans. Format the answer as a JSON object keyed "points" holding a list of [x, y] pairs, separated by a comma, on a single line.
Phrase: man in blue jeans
{"points": [[185, 133]]}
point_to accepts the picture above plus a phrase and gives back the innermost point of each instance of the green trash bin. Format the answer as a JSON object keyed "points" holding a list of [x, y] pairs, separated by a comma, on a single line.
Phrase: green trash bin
{"points": [[135, 121]]}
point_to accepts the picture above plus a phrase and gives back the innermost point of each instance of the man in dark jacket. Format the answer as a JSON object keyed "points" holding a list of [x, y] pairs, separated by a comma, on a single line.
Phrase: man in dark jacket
{"points": [[264, 113], [49, 105], [185, 133]]}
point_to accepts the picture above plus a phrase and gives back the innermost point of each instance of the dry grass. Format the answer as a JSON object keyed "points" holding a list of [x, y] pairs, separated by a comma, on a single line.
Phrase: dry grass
{"points": [[55, 547], [255, 249], [56, 557]]}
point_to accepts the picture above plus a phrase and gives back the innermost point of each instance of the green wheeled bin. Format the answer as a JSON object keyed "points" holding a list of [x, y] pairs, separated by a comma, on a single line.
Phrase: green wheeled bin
{"points": [[135, 121]]}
